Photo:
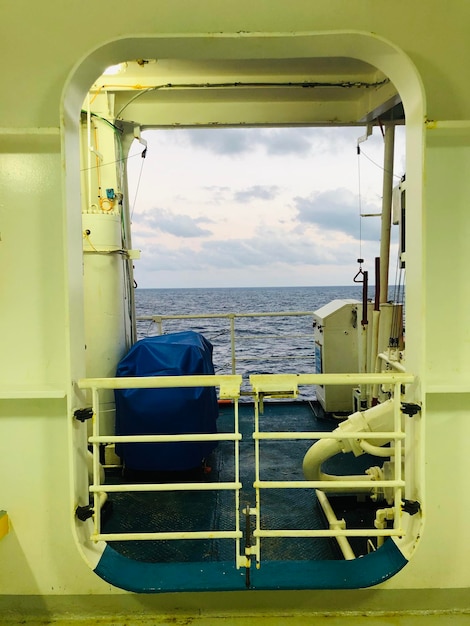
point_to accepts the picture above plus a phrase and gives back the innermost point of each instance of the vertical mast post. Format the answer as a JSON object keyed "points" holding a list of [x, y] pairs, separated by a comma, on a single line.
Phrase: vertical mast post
{"points": [[386, 211]]}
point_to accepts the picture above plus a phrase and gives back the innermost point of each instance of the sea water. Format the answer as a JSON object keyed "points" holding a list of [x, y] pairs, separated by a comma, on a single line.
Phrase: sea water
{"points": [[263, 344]]}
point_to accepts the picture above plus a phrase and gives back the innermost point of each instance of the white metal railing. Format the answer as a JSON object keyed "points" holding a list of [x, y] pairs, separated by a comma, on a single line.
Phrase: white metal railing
{"points": [[273, 385], [236, 339], [229, 389], [263, 385]]}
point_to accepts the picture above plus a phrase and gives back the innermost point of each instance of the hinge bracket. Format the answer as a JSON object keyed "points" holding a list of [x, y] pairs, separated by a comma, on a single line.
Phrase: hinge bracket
{"points": [[84, 512], [410, 409], [83, 414]]}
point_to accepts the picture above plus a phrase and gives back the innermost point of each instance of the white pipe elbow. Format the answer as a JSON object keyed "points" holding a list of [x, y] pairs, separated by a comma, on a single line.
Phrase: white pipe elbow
{"points": [[369, 448], [374, 419], [377, 418], [316, 455]]}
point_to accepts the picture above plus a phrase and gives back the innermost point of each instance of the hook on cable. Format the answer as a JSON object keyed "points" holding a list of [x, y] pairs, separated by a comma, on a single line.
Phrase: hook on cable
{"points": [[359, 273], [142, 141]]}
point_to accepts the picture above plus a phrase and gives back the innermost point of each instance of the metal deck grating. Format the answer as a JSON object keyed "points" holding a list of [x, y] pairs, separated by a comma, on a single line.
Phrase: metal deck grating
{"points": [[215, 510]]}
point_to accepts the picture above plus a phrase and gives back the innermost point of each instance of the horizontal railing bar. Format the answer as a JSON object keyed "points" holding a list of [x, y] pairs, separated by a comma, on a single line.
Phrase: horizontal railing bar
{"points": [[260, 382], [163, 536], [272, 382], [329, 435], [287, 533], [274, 358], [166, 438], [194, 316], [164, 487], [326, 484], [278, 336], [237, 436], [331, 532], [157, 382]]}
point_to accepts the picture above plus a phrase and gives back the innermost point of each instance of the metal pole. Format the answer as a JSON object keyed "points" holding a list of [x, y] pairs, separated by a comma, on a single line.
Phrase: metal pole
{"points": [[386, 211], [232, 343]]}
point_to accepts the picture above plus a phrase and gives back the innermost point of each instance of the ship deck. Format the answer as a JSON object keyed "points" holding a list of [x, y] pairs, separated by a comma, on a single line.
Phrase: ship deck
{"points": [[215, 510]]}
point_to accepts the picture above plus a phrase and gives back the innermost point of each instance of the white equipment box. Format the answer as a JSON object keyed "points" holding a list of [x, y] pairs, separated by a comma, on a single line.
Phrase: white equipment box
{"points": [[336, 351]]}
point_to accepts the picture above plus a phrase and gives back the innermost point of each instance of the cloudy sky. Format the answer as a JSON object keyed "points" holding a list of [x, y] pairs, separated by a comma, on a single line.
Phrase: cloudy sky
{"points": [[256, 207]]}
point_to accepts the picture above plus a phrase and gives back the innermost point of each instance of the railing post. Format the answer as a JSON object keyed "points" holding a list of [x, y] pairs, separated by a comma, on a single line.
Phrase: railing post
{"points": [[232, 343], [159, 323], [96, 460], [398, 492]]}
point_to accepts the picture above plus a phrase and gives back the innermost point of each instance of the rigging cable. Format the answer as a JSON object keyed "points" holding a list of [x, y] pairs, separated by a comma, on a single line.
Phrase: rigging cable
{"points": [[378, 164], [120, 160], [359, 197], [143, 155]]}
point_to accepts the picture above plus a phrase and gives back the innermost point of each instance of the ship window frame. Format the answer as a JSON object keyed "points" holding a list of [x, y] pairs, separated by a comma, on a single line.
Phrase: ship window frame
{"points": [[377, 51]]}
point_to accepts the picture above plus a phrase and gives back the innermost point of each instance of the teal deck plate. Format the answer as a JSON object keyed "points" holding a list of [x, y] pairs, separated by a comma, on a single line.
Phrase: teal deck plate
{"points": [[287, 563]]}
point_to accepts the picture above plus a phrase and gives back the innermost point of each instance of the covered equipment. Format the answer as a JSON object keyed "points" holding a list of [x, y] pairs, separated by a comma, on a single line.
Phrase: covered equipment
{"points": [[166, 411]]}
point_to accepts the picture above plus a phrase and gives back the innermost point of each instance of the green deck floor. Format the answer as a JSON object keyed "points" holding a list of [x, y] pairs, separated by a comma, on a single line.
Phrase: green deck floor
{"points": [[212, 510]]}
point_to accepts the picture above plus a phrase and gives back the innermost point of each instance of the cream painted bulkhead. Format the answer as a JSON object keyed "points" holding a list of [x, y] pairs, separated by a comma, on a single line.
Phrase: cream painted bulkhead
{"points": [[42, 284]]}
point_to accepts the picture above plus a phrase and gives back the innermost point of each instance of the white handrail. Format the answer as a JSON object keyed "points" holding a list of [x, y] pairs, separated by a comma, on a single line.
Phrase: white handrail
{"points": [[229, 388], [262, 385], [265, 385], [165, 487], [165, 438], [166, 536], [231, 318]]}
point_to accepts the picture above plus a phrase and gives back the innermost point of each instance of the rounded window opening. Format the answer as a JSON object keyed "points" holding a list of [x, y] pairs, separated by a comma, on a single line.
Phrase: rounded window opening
{"points": [[241, 512]]}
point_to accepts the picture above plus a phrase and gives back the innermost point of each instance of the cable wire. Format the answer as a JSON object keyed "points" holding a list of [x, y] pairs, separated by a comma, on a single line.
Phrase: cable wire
{"points": [[359, 198], [378, 165], [120, 160], [138, 184]]}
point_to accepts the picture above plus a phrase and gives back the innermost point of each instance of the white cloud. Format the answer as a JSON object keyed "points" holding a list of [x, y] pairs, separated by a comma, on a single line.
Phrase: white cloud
{"points": [[279, 142], [340, 210], [260, 192], [176, 224], [247, 207]]}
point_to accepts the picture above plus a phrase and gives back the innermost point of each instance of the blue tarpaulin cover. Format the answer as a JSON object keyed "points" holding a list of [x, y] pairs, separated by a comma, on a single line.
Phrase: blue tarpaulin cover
{"points": [[166, 411]]}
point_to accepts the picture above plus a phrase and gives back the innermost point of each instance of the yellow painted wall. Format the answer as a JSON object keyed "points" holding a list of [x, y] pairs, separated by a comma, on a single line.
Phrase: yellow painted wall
{"points": [[42, 46]]}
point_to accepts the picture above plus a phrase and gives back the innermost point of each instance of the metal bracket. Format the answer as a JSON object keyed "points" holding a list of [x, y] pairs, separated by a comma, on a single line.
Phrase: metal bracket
{"points": [[251, 548], [411, 506], [84, 512], [410, 409], [83, 414]]}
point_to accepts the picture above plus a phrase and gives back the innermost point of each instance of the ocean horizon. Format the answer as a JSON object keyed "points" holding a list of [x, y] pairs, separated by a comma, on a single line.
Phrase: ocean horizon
{"points": [[264, 343]]}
